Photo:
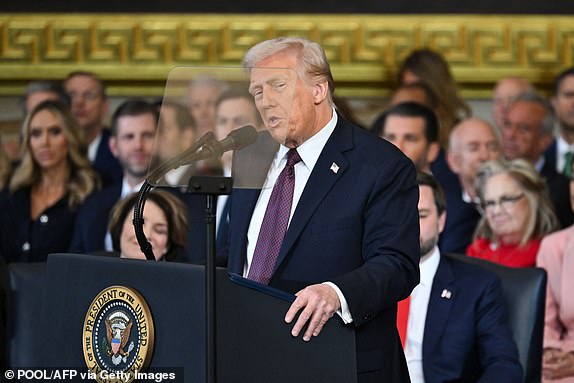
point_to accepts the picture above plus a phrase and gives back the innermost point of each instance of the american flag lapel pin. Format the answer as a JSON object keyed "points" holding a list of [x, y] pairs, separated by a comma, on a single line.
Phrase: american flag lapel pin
{"points": [[334, 168]]}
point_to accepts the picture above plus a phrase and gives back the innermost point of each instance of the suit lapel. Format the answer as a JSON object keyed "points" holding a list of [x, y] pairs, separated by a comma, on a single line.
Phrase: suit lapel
{"points": [[440, 305], [321, 180]]}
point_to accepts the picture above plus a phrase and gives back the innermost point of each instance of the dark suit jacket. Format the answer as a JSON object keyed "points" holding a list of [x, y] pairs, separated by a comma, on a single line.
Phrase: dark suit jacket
{"points": [[461, 221], [358, 228], [559, 189], [106, 164], [25, 240], [466, 337], [92, 221]]}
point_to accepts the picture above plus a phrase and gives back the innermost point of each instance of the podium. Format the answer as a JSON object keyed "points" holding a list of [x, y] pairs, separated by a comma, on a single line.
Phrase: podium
{"points": [[254, 344]]}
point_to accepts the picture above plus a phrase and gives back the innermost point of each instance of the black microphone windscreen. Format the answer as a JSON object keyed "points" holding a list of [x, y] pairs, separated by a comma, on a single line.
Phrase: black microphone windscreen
{"points": [[240, 138]]}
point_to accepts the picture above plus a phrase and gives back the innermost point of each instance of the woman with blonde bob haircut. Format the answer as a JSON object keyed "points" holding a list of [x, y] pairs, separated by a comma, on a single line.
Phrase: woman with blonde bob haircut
{"points": [[48, 187], [165, 226], [517, 213]]}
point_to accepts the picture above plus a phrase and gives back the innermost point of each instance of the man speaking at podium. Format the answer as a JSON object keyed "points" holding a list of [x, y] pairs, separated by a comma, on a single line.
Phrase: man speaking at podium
{"points": [[336, 220]]}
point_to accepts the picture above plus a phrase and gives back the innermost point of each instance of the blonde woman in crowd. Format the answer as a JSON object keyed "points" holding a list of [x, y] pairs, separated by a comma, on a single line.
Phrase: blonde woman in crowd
{"points": [[517, 213], [46, 189], [430, 68], [165, 226], [556, 255]]}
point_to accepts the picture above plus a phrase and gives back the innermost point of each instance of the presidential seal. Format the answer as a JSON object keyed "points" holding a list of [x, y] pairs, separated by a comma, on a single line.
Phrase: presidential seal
{"points": [[118, 335]]}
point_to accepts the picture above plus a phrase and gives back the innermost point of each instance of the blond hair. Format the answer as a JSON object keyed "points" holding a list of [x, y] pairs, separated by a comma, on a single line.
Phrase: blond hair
{"points": [[542, 219], [82, 180]]}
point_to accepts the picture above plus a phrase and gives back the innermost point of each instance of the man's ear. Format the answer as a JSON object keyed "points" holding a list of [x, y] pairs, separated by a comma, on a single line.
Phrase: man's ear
{"points": [[441, 222], [453, 162], [432, 152], [113, 144], [320, 92]]}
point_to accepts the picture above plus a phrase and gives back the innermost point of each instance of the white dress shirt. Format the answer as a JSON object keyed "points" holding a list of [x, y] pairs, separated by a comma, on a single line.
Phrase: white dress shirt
{"points": [[221, 201], [309, 151], [417, 316], [93, 147]]}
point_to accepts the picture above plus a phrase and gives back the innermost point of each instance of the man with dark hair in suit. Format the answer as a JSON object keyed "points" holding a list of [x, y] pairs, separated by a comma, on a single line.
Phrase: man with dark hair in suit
{"points": [[413, 128], [335, 222], [561, 151], [89, 106], [456, 328], [133, 131]]}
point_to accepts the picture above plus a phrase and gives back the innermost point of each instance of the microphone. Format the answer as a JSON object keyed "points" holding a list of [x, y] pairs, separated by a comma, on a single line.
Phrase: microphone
{"points": [[236, 139], [208, 147]]}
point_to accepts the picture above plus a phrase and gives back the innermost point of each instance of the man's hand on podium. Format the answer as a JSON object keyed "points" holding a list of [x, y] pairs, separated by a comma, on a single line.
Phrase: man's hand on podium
{"points": [[319, 303]]}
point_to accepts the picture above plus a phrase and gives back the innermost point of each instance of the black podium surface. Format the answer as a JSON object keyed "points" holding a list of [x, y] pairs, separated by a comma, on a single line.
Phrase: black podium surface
{"points": [[253, 342]]}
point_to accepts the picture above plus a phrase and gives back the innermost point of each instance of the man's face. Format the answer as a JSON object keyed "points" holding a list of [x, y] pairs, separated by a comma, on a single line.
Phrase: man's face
{"points": [[201, 104], [88, 104], [431, 224], [563, 103], [172, 140], [234, 113], [475, 144], [133, 145], [286, 101], [505, 93], [521, 133], [408, 134]]}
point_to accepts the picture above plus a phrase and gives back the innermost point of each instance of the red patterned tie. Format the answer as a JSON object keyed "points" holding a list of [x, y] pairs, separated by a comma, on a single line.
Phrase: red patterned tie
{"points": [[275, 222]]}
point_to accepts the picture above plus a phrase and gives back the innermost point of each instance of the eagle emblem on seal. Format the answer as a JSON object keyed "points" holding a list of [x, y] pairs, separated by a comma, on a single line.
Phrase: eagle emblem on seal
{"points": [[118, 329]]}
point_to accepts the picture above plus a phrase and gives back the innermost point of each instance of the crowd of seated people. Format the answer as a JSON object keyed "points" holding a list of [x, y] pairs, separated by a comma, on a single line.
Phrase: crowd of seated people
{"points": [[507, 185], [512, 185]]}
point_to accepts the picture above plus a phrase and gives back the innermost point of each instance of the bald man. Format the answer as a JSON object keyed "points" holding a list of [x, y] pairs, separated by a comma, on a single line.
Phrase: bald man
{"points": [[471, 143]]}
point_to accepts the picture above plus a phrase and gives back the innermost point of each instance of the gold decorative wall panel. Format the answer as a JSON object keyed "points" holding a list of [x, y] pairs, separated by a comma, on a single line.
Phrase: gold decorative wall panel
{"points": [[134, 53]]}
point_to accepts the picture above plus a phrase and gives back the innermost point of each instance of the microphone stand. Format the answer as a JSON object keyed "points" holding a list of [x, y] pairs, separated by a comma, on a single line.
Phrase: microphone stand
{"points": [[211, 187]]}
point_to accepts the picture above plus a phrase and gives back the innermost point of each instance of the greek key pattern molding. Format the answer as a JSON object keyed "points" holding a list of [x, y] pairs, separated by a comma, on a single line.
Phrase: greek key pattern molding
{"points": [[136, 51]]}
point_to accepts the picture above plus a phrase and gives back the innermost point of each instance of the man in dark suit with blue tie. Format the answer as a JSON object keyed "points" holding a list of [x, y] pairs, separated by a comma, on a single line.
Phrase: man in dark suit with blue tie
{"points": [[457, 329], [336, 220]]}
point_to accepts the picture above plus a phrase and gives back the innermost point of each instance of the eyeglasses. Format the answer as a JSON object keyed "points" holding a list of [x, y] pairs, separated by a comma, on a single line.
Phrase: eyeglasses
{"points": [[506, 202], [88, 96]]}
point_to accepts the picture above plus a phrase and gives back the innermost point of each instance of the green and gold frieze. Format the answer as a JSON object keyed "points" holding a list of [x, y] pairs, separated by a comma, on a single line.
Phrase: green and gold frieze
{"points": [[134, 53]]}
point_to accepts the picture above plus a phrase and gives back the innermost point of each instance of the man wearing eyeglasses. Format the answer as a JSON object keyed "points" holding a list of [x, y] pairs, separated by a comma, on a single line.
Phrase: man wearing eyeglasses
{"points": [[89, 106]]}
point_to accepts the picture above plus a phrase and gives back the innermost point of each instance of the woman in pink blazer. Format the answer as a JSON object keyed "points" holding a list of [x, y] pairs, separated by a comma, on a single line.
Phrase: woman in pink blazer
{"points": [[556, 255]]}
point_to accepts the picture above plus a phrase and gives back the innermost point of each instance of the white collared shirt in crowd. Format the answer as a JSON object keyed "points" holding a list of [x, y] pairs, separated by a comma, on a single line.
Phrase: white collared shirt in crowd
{"points": [[417, 316]]}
